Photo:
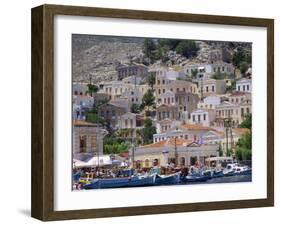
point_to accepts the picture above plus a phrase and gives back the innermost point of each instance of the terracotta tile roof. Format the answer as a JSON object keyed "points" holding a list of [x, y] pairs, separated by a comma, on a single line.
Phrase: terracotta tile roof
{"points": [[238, 93], [124, 154], [82, 123], [196, 127], [241, 131], [171, 142]]}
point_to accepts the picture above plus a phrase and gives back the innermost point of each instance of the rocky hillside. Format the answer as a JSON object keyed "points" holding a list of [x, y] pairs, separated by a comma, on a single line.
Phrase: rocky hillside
{"points": [[96, 57]]}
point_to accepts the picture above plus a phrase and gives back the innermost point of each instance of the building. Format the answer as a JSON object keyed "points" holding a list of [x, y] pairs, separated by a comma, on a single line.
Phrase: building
{"points": [[207, 70], [210, 102], [87, 139], [167, 112], [112, 113], [133, 96], [216, 55], [162, 153], [204, 117], [163, 84], [126, 70], [166, 125], [212, 86], [116, 89], [81, 104], [235, 110], [186, 103], [185, 131], [244, 85], [79, 89], [127, 121], [219, 137], [167, 98]]}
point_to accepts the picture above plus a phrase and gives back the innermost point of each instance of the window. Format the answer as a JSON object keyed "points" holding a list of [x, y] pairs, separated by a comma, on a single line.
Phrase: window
{"points": [[132, 123], [163, 82], [199, 118], [94, 143], [158, 82], [238, 88], [243, 88], [248, 87], [193, 118], [83, 143], [113, 112], [204, 117], [207, 89], [213, 88], [163, 90]]}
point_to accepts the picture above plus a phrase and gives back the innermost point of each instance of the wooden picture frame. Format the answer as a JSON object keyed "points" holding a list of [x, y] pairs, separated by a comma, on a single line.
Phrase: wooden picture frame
{"points": [[43, 112]]}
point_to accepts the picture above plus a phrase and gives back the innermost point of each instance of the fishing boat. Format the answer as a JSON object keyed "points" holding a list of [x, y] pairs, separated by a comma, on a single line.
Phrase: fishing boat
{"points": [[236, 169], [194, 178], [167, 179], [133, 181], [212, 173]]}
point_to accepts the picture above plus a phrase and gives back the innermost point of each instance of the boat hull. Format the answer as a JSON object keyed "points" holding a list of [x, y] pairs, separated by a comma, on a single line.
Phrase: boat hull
{"points": [[120, 182], [167, 180], [194, 179]]}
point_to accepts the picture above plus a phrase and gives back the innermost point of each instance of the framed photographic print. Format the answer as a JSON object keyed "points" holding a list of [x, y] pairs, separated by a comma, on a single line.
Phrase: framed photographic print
{"points": [[141, 112]]}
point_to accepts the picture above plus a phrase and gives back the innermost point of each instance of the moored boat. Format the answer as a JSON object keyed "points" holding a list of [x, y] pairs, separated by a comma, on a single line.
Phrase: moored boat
{"points": [[167, 179], [194, 178], [133, 181], [237, 169]]}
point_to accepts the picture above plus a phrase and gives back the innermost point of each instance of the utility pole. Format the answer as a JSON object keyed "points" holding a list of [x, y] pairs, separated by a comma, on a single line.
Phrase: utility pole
{"points": [[176, 152]]}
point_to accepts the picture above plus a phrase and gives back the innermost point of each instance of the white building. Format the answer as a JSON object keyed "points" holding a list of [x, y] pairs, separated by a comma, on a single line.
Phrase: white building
{"points": [[127, 121], [206, 71], [167, 98], [244, 85], [203, 117], [210, 102], [79, 89]]}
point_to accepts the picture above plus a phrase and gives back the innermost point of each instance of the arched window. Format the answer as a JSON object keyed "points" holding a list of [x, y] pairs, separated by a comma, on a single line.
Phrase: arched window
{"points": [[146, 163], [182, 161]]}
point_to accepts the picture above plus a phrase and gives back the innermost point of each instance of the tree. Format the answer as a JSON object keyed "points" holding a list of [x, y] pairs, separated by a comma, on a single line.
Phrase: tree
{"points": [[241, 60], [219, 75], [148, 131], [244, 147], [243, 66], [135, 108], [194, 73], [151, 79], [187, 48], [148, 98], [94, 118], [149, 48], [92, 89], [169, 43], [247, 122]]}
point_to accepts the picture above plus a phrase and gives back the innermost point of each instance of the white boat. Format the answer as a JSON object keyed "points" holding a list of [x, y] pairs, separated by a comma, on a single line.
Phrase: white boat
{"points": [[236, 169]]}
